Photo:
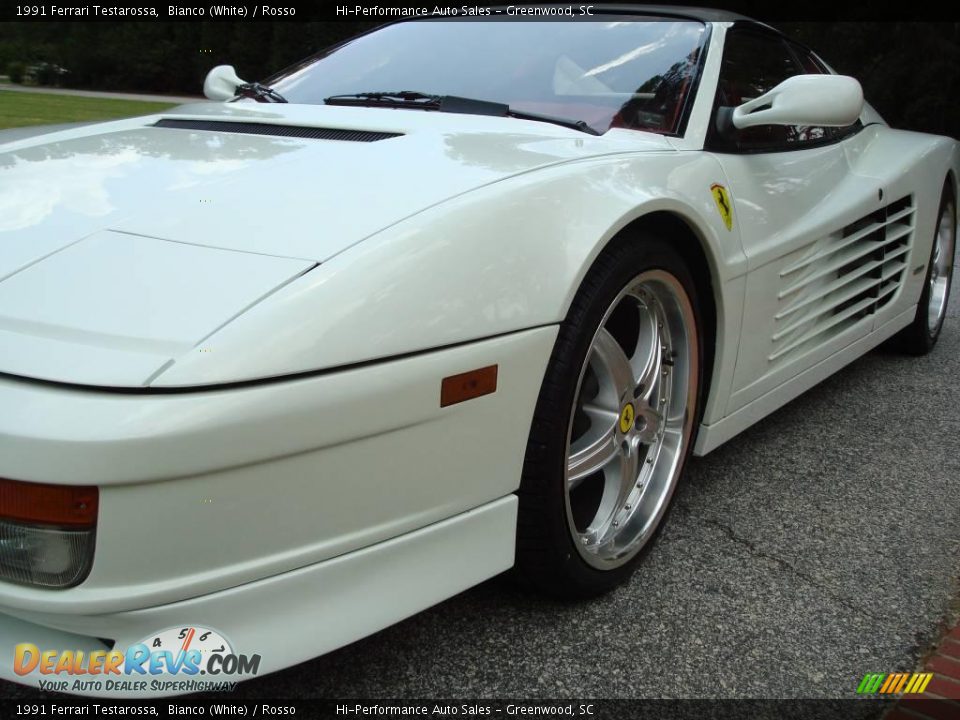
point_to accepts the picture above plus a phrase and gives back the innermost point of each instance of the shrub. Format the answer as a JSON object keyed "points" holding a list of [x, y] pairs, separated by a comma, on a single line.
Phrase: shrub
{"points": [[15, 71]]}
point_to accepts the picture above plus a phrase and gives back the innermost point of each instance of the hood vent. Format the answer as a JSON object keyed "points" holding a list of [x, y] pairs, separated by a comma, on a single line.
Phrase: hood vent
{"points": [[247, 128], [843, 278]]}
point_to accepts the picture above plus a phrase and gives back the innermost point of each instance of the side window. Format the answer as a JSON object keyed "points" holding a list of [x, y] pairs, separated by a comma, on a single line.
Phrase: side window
{"points": [[754, 63], [811, 64]]}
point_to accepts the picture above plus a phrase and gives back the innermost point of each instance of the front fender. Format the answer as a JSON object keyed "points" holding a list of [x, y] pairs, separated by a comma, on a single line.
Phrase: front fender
{"points": [[502, 258]]}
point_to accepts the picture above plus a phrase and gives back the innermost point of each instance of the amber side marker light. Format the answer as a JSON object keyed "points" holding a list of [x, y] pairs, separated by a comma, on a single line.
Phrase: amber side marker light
{"points": [[469, 385], [47, 532]]}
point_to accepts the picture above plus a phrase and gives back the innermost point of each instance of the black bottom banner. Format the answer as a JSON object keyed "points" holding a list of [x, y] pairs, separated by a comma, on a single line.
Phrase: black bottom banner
{"points": [[865, 709]]}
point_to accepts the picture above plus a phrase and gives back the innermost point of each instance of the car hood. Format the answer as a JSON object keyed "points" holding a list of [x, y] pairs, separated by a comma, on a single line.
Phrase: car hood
{"points": [[125, 244]]}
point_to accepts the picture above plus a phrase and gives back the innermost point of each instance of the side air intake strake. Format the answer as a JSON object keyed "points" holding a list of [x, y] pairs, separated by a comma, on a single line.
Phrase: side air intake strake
{"points": [[843, 278], [294, 131]]}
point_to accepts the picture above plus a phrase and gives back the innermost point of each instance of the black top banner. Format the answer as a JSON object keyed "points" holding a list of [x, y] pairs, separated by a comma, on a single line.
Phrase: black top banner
{"points": [[345, 11]]}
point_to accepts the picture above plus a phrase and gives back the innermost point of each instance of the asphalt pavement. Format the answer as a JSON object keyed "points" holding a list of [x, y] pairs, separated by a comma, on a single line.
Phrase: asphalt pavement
{"points": [[819, 545]]}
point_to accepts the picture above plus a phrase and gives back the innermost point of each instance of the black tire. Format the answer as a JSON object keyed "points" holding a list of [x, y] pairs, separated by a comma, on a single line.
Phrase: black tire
{"points": [[548, 559], [918, 338]]}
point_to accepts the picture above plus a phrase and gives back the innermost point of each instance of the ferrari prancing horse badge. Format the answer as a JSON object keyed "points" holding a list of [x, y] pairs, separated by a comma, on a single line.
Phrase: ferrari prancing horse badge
{"points": [[722, 198]]}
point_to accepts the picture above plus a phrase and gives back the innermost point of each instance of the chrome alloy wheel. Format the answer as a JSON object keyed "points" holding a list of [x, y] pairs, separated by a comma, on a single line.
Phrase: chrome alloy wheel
{"points": [[632, 419], [944, 243]]}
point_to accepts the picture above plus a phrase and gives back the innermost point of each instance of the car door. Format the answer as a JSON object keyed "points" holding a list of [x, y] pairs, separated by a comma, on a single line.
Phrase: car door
{"points": [[793, 195]]}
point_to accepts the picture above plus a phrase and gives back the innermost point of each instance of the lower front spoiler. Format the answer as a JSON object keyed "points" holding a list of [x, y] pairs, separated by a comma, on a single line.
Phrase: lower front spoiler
{"points": [[287, 618]]}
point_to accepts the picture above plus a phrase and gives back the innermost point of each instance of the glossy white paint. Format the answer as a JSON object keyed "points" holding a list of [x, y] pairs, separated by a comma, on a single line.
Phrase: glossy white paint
{"points": [[325, 197], [295, 616], [221, 83], [281, 475], [355, 276], [786, 202], [280, 196], [116, 309], [523, 268]]}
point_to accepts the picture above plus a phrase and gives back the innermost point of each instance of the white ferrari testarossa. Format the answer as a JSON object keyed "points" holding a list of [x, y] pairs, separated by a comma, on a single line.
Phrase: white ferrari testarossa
{"points": [[448, 298]]}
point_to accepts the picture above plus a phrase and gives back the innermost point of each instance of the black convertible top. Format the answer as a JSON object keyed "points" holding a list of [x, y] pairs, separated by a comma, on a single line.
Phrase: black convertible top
{"points": [[702, 14], [679, 11]]}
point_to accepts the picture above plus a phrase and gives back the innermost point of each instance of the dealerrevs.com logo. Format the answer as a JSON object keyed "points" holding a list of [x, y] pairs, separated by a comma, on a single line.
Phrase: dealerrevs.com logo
{"points": [[180, 659]]}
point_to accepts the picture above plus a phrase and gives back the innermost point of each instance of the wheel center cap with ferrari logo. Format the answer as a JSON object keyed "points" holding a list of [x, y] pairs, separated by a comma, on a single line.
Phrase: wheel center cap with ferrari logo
{"points": [[627, 416]]}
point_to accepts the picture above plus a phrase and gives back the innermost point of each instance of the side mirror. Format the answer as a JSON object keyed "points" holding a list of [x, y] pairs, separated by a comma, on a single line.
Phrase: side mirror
{"points": [[221, 83], [819, 100]]}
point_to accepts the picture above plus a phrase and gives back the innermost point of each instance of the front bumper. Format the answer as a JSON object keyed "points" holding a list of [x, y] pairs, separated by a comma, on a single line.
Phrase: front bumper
{"points": [[206, 491], [291, 617]]}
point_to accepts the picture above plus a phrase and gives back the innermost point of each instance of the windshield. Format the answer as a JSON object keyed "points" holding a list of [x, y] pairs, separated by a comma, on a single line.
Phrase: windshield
{"points": [[631, 74]]}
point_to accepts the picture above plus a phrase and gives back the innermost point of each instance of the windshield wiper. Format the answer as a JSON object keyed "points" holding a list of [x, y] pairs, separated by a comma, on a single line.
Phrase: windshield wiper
{"points": [[259, 92], [403, 97], [563, 122], [413, 99]]}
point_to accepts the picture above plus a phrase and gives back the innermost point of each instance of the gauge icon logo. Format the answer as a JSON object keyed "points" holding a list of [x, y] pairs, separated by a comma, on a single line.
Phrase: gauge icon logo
{"points": [[188, 650], [205, 641]]}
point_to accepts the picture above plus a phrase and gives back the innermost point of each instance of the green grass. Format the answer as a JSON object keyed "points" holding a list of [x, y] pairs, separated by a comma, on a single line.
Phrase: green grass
{"points": [[18, 109]]}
